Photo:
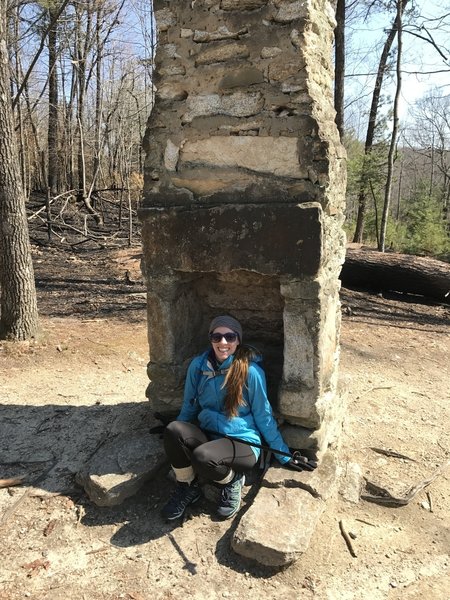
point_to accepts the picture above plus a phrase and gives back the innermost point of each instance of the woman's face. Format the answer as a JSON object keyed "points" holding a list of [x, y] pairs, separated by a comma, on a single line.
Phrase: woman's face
{"points": [[223, 349]]}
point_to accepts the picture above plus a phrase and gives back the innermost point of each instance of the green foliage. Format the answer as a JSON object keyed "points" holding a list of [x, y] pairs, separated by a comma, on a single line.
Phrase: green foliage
{"points": [[420, 227], [369, 169], [426, 230]]}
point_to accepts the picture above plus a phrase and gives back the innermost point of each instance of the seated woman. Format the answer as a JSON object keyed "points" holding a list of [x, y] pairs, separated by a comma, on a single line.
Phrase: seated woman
{"points": [[225, 392]]}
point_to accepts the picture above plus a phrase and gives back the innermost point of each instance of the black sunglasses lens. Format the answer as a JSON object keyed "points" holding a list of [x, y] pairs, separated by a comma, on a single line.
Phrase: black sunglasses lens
{"points": [[217, 337]]}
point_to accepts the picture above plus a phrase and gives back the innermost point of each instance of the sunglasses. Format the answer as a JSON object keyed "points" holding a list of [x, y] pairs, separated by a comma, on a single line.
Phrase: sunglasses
{"points": [[229, 337]]}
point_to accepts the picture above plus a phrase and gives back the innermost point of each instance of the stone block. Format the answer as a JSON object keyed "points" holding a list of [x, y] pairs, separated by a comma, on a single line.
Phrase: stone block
{"points": [[278, 156], [211, 183], [304, 438], [222, 33], [165, 19], [352, 483], [120, 467], [277, 528], [241, 78], [270, 51], [292, 11], [172, 71], [242, 4], [171, 155], [320, 483], [298, 404], [314, 431], [279, 239], [299, 345], [239, 104], [170, 92], [231, 51], [282, 69]]}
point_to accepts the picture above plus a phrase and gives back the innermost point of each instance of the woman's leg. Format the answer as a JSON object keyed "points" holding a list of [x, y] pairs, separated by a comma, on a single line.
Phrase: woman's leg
{"points": [[180, 440], [224, 461], [215, 460]]}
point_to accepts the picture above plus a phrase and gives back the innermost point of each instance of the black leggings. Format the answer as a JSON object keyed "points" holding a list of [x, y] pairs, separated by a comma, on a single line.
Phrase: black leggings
{"points": [[186, 445]]}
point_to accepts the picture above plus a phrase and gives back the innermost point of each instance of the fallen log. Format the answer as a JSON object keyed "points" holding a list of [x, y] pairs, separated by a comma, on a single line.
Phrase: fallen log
{"points": [[390, 271]]}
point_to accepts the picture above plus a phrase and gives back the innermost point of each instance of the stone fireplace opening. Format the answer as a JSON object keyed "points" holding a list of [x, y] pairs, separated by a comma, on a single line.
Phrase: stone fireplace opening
{"points": [[252, 298]]}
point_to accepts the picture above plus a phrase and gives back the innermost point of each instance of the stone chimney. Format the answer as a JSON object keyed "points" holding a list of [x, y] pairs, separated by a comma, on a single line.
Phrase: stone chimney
{"points": [[244, 197]]}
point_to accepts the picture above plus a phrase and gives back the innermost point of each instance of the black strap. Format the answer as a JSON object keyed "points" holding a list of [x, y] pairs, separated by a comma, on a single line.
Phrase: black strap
{"points": [[254, 444]]}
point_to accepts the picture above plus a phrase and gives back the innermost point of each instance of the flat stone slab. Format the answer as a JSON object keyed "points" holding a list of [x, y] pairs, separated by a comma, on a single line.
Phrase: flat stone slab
{"points": [[294, 230], [277, 528], [320, 483], [120, 467]]}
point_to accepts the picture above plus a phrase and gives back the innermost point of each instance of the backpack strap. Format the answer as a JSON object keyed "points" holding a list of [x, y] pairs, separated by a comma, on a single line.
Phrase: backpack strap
{"points": [[209, 374]]}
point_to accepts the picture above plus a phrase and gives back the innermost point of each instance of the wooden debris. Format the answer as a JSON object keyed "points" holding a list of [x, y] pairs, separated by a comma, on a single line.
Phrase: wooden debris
{"points": [[101, 549], [81, 511], [347, 539], [382, 496], [135, 596], [392, 453], [5, 483], [366, 522], [50, 527], [372, 389], [12, 509], [34, 567]]}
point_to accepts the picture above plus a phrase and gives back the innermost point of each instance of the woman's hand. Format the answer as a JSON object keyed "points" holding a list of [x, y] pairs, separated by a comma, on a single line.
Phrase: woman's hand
{"points": [[298, 462]]}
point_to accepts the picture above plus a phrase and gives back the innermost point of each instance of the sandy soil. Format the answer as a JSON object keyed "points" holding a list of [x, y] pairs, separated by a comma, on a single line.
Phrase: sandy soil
{"points": [[84, 380]]}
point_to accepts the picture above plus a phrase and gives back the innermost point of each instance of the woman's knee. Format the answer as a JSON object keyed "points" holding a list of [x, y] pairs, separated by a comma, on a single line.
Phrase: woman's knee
{"points": [[203, 455]]}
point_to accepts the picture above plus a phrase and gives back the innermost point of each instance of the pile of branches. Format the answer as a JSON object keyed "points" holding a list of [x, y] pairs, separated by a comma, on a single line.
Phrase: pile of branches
{"points": [[109, 218]]}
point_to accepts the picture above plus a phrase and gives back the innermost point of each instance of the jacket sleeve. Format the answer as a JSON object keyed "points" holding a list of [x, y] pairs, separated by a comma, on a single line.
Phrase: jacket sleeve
{"points": [[190, 407], [262, 412]]}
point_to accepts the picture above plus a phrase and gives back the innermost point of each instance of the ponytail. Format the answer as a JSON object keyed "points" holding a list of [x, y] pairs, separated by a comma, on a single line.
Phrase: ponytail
{"points": [[235, 380]]}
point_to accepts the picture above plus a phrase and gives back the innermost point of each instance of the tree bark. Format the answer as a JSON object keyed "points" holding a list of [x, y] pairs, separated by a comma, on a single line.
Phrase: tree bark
{"points": [[18, 306], [370, 269], [395, 127], [371, 127], [339, 65], [52, 134]]}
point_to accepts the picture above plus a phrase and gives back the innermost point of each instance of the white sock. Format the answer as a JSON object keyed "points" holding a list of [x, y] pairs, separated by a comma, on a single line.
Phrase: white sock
{"points": [[226, 479], [184, 475]]}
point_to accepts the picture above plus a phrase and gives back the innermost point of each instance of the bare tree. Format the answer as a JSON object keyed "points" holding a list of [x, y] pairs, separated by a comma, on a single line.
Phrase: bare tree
{"points": [[371, 127], [339, 65], [395, 127], [431, 140]]}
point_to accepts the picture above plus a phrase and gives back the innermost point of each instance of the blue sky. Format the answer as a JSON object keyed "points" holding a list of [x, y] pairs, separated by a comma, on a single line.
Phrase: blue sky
{"points": [[421, 62]]}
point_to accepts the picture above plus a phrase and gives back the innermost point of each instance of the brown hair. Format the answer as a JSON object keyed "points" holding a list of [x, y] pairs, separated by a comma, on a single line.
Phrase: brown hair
{"points": [[235, 380]]}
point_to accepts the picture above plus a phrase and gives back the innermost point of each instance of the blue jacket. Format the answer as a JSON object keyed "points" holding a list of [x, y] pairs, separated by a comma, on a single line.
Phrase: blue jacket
{"points": [[204, 400]]}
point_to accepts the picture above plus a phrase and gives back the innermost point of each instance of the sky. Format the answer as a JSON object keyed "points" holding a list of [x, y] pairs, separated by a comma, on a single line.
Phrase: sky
{"points": [[423, 66]]}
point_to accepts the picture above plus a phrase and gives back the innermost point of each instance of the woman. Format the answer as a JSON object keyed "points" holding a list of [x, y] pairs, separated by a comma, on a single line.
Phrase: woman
{"points": [[226, 393]]}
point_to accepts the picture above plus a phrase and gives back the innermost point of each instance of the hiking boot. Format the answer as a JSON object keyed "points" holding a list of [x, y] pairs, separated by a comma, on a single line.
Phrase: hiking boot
{"points": [[184, 495], [230, 497]]}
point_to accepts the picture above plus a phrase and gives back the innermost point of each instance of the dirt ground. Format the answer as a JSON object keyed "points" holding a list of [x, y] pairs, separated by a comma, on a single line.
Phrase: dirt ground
{"points": [[84, 380]]}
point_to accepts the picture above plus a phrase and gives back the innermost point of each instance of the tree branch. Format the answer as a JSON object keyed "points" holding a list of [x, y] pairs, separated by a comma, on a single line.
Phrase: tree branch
{"points": [[38, 53]]}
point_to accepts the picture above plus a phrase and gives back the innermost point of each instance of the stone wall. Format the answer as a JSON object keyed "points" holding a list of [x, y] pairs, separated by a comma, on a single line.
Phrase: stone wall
{"points": [[244, 192]]}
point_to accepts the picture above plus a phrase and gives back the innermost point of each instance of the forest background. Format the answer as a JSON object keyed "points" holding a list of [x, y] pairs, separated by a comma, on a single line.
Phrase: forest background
{"points": [[79, 76], [81, 83]]}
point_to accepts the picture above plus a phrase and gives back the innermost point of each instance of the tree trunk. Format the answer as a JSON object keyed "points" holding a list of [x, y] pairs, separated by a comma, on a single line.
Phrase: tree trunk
{"points": [[370, 269], [18, 306], [395, 127], [52, 135], [339, 65], [98, 97], [370, 135]]}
